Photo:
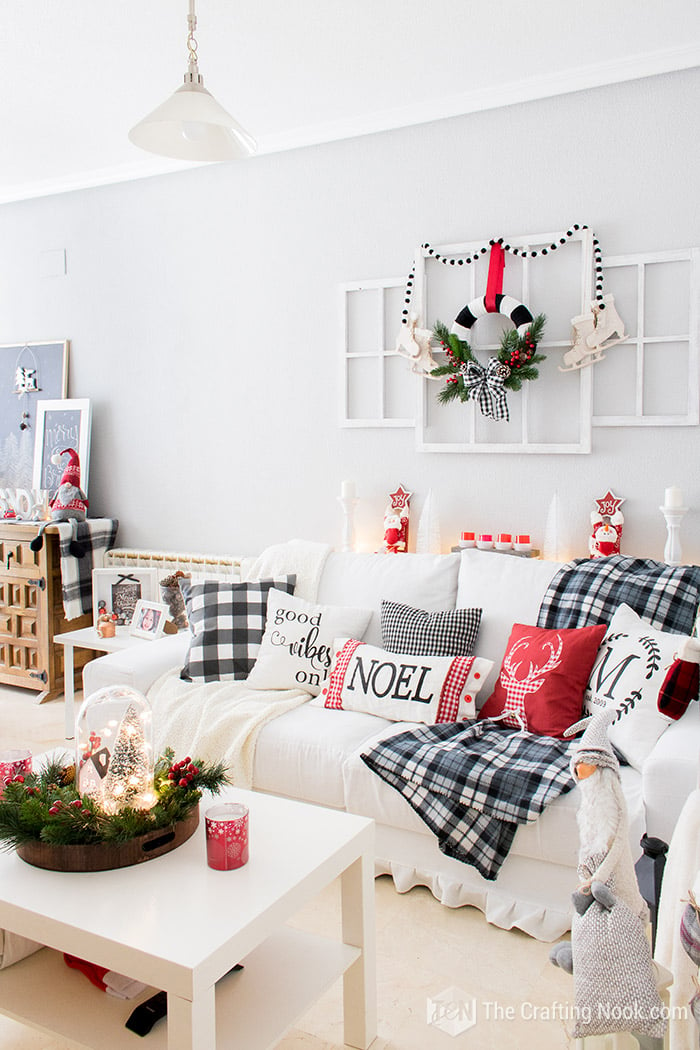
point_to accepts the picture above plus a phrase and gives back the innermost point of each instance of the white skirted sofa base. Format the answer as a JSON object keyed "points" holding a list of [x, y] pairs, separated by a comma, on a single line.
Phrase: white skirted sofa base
{"points": [[313, 754]]}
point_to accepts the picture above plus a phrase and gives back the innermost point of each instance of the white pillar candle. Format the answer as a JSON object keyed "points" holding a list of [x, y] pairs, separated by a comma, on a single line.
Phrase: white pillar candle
{"points": [[673, 497], [347, 490]]}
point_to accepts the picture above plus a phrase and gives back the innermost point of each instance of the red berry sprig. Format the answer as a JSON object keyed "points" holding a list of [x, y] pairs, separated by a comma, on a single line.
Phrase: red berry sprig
{"points": [[183, 773]]}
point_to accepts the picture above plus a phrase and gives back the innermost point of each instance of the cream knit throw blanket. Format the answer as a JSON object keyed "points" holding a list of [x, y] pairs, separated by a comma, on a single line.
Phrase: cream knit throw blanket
{"points": [[303, 557], [216, 721]]}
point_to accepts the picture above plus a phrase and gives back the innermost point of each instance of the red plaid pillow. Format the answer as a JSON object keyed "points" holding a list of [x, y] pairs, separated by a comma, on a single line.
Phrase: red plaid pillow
{"points": [[543, 676], [679, 688]]}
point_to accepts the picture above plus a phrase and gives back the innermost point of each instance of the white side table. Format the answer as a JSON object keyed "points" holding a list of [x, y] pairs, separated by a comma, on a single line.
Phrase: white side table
{"points": [[88, 638]]}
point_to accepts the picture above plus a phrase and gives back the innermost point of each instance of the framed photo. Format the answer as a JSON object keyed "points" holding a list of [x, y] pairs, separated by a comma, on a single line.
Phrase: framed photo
{"points": [[149, 619], [29, 372], [120, 590], [61, 424]]}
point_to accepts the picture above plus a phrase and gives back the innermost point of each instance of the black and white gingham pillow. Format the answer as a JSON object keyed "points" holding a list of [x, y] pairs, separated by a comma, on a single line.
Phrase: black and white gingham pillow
{"points": [[419, 633], [227, 621]]}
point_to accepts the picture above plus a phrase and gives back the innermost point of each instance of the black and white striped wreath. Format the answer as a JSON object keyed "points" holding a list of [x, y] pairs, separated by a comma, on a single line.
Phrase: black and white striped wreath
{"points": [[467, 379]]}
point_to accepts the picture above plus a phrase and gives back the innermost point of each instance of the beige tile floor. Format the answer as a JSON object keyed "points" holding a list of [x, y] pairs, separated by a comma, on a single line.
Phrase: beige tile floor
{"points": [[423, 950]]}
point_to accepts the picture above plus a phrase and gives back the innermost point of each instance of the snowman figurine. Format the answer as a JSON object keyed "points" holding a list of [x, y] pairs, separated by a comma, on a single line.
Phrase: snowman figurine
{"points": [[69, 504]]}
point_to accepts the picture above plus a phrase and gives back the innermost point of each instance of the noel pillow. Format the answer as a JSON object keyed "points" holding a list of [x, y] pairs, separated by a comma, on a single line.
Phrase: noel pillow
{"points": [[409, 630], [404, 688], [297, 647], [630, 668], [543, 676], [227, 621]]}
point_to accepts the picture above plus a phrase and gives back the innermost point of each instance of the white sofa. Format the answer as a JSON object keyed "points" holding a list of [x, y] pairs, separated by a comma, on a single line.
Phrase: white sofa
{"points": [[313, 754]]}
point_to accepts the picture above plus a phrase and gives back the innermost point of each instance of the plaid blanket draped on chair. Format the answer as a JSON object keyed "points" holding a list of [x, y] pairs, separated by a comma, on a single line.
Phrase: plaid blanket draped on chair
{"points": [[474, 783], [95, 536]]}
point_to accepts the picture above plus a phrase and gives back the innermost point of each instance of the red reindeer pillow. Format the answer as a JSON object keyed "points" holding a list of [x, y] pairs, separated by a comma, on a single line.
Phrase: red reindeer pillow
{"points": [[543, 677]]}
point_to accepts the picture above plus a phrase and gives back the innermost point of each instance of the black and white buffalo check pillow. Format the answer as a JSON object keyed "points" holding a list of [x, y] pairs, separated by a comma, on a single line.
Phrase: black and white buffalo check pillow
{"points": [[420, 633], [227, 621]]}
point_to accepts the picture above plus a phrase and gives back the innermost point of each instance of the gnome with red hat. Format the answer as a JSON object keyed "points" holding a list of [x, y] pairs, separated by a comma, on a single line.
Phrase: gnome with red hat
{"points": [[69, 503]]}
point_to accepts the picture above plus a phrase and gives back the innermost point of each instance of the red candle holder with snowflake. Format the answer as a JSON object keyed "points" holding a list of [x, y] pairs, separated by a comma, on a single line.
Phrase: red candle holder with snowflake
{"points": [[227, 836], [14, 764]]}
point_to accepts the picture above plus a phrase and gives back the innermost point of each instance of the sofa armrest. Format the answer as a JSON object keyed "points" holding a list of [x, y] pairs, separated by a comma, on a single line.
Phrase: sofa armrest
{"points": [[138, 666], [671, 772]]}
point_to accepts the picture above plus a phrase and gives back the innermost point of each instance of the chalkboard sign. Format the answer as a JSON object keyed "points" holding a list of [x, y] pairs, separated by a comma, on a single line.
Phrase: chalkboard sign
{"points": [[61, 425]]}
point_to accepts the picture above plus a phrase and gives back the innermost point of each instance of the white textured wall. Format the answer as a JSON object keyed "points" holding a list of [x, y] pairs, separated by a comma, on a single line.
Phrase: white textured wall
{"points": [[202, 310]]}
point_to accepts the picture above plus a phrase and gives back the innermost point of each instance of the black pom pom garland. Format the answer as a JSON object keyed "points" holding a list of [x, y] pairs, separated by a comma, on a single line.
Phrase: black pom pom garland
{"points": [[468, 259]]}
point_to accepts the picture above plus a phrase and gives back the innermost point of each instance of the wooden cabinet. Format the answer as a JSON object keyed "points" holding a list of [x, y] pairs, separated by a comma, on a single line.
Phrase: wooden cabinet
{"points": [[31, 612]]}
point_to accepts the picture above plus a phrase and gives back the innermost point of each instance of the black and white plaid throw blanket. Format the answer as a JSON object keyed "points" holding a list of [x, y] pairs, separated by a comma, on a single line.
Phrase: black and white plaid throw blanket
{"points": [[588, 591], [96, 535], [474, 783]]}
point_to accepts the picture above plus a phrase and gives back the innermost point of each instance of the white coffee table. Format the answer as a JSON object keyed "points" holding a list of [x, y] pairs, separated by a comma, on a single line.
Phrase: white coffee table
{"points": [[88, 638], [177, 925]]}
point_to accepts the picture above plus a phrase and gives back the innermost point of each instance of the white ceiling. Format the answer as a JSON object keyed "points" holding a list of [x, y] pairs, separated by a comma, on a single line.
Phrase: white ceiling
{"points": [[77, 74]]}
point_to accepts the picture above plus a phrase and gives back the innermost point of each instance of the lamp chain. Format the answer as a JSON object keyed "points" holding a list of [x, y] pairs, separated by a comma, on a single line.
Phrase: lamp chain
{"points": [[191, 42]]}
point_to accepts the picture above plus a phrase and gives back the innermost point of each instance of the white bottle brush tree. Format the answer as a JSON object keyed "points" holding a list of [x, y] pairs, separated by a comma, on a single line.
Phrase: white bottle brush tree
{"points": [[129, 778]]}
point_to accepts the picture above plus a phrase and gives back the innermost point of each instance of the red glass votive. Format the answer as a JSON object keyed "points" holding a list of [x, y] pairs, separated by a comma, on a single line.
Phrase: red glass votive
{"points": [[522, 542], [14, 763], [226, 827], [504, 541], [467, 539]]}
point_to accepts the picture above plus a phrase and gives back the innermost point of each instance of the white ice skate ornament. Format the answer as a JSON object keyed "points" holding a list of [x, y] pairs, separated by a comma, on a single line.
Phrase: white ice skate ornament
{"points": [[593, 333], [414, 343]]}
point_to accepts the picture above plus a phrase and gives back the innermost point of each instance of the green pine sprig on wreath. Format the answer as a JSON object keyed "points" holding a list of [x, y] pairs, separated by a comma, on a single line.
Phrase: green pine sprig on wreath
{"points": [[46, 806], [517, 352]]}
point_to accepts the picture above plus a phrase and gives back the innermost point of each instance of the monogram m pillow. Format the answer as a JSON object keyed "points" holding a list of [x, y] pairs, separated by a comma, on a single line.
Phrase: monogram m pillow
{"points": [[628, 673]]}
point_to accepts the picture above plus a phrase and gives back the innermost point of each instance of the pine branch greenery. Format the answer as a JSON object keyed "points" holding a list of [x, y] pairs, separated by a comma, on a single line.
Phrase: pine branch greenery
{"points": [[518, 353], [46, 806]]}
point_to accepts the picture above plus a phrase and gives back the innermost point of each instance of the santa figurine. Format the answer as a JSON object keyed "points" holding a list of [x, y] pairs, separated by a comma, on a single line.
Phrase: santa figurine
{"points": [[393, 532], [69, 504], [606, 527], [396, 517]]}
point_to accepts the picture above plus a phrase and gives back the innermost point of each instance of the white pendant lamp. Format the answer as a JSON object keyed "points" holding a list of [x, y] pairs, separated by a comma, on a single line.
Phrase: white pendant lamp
{"points": [[191, 125]]}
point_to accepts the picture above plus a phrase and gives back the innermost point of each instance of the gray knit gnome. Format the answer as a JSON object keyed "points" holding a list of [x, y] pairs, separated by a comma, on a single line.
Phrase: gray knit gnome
{"points": [[609, 953]]}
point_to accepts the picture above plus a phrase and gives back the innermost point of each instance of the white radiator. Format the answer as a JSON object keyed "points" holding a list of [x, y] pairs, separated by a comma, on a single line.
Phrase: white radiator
{"points": [[167, 562]]}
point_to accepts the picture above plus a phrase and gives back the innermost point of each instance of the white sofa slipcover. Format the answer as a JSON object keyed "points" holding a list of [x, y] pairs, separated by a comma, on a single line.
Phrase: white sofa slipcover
{"points": [[313, 754]]}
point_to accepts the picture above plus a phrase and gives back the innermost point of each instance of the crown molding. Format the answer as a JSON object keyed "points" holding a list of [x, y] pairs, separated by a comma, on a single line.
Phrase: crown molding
{"points": [[514, 92]]}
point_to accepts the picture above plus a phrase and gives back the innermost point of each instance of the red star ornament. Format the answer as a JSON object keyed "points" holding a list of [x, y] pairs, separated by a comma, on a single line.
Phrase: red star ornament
{"points": [[609, 504], [400, 498]]}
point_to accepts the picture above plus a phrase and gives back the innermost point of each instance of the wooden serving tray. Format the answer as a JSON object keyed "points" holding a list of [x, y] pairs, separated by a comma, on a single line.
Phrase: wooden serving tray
{"points": [[103, 856]]}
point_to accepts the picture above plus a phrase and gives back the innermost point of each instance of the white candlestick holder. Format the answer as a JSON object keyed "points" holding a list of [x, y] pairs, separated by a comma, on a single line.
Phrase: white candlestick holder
{"points": [[674, 516], [348, 504]]}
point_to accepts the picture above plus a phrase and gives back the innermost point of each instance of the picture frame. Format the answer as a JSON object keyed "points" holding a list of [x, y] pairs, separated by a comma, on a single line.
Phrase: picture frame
{"points": [[29, 372], [61, 424], [119, 591], [149, 619]]}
